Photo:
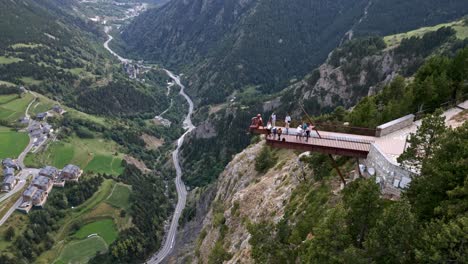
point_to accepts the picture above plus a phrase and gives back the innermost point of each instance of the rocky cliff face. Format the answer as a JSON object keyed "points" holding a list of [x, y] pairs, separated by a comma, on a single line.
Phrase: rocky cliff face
{"points": [[344, 85], [243, 195]]}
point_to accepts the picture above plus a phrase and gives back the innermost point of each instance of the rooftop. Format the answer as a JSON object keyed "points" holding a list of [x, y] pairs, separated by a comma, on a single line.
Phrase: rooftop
{"points": [[41, 181], [8, 171], [48, 171], [38, 194], [9, 180], [30, 191], [72, 169]]}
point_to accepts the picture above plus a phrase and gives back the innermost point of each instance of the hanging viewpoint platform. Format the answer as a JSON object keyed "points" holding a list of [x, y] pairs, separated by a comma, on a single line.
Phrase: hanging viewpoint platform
{"points": [[334, 143]]}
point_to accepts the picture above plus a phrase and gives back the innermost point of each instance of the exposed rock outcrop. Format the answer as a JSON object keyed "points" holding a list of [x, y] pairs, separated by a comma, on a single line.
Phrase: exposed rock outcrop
{"points": [[243, 195]]}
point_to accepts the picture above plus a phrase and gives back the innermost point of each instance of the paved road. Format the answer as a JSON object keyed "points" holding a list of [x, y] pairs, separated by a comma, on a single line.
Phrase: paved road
{"points": [[10, 211], [181, 190], [180, 186]]}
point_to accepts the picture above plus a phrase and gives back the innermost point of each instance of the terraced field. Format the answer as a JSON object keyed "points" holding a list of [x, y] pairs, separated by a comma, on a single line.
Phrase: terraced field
{"points": [[101, 219]]}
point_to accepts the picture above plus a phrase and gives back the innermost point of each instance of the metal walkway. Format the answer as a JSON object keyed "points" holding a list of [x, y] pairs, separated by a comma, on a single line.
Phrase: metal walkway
{"points": [[349, 145]]}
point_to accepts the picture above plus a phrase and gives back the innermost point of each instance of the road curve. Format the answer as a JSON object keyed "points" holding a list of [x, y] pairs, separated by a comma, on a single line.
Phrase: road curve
{"points": [[180, 186], [169, 240]]}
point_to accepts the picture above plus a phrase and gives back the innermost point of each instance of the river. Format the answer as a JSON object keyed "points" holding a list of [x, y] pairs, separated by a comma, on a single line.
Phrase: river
{"points": [[170, 237]]}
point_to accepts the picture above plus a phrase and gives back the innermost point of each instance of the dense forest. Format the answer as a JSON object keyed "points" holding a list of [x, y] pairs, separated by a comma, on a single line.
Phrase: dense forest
{"points": [[265, 43], [440, 81]]}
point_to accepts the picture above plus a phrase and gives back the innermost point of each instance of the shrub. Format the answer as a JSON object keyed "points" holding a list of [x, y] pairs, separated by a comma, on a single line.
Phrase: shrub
{"points": [[265, 160]]}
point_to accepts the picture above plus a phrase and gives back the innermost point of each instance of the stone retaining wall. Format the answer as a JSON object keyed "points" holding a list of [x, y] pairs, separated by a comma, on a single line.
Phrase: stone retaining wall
{"points": [[389, 175], [394, 125]]}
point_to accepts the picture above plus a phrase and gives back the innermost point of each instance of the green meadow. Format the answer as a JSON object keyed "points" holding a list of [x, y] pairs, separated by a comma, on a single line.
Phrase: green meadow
{"points": [[92, 155], [13, 107], [103, 228], [458, 26], [12, 143], [82, 251], [120, 196]]}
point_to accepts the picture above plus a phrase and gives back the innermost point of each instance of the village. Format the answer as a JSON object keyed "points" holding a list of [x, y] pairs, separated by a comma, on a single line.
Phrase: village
{"points": [[41, 181]]}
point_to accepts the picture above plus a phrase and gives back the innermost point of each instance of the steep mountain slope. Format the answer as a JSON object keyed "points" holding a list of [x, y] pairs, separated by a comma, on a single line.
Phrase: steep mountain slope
{"points": [[228, 45], [235, 43], [48, 46], [358, 68], [42, 21], [363, 66]]}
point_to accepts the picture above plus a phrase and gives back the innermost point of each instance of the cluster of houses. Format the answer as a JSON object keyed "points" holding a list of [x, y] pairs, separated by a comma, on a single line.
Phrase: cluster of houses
{"points": [[37, 193], [9, 178], [40, 130]]}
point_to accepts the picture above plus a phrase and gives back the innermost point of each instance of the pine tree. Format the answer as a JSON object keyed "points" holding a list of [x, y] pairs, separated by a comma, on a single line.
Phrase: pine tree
{"points": [[423, 143], [390, 241]]}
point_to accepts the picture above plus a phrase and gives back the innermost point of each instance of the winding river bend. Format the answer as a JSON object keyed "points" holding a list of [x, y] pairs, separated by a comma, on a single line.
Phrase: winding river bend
{"points": [[169, 240]]}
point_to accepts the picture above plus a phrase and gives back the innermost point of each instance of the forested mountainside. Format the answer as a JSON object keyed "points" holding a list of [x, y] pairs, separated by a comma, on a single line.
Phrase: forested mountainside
{"points": [[225, 46], [50, 49]]}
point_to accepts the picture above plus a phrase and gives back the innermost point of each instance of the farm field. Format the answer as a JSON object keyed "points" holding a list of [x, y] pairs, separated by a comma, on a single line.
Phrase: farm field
{"points": [[120, 196], [96, 212], [41, 105], [12, 143], [92, 155], [11, 109], [103, 228], [81, 251]]}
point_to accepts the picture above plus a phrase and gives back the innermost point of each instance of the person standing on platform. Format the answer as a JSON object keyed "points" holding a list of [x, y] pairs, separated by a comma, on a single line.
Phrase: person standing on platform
{"points": [[273, 119], [259, 120], [308, 132], [287, 122], [299, 132], [280, 131]]}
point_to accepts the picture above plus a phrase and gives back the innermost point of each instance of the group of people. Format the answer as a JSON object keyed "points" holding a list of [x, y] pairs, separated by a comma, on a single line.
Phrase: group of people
{"points": [[303, 130]]}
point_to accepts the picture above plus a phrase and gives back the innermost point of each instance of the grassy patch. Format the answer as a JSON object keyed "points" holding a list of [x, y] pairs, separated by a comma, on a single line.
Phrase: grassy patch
{"points": [[120, 196], [42, 104], [8, 98], [9, 60], [7, 83], [94, 209], [96, 155], [30, 81], [104, 228], [458, 26], [12, 143], [26, 45], [82, 251], [12, 110]]}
